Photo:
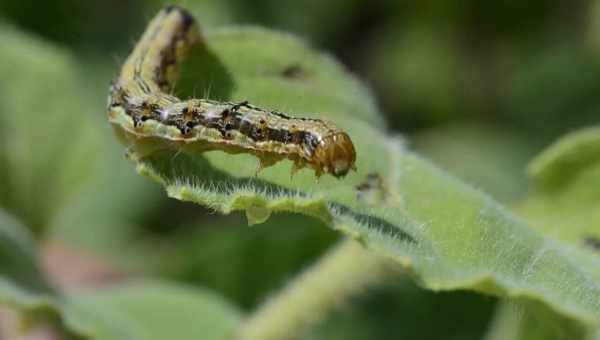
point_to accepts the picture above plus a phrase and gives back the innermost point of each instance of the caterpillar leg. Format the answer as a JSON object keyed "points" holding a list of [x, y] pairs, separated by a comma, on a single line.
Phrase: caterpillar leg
{"points": [[264, 162], [298, 164]]}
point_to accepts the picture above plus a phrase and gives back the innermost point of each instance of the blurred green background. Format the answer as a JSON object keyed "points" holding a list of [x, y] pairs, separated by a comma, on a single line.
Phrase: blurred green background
{"points": [[478, 86]]}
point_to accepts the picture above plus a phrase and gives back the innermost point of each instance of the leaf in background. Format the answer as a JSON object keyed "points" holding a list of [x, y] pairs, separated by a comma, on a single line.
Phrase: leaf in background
{"points": [[488, 157], [217, 252], [244, 264], [531, 321], [551, 89], [59, 165], [133, 311], [328, 22], [446, 233], [23, 287], [41, 129], [408, 312], [20, 276], [566, 160], [416, 69], [564, 204], [153, 310]]}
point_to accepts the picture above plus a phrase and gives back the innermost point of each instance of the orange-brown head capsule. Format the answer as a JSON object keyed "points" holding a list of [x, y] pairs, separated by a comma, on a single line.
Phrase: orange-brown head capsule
{"points": [[335, 154]]}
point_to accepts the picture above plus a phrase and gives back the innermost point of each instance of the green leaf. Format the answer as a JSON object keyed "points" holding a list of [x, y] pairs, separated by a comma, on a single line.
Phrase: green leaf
{"points": [[552, 89], [564, 204], [450, 236], [22, 284], [153, 310], [58, 162], [134, 311], [43, 133], [21, 281], [326, 23], [566, 159], [18, 255], [489, 157], [416, 68], [531, 321], [222, 256]]}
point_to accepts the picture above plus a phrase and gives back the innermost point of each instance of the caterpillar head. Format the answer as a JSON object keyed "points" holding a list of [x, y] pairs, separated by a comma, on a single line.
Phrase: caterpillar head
{"points": [[335, 155]]}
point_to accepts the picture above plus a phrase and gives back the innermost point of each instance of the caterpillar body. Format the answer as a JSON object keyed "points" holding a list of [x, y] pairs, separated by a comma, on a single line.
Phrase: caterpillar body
{"points": [[141, 92]]}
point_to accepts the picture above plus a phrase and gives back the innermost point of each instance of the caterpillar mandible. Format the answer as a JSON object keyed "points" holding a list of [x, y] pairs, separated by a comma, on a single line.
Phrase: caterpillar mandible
{"points": [[141, 92]]}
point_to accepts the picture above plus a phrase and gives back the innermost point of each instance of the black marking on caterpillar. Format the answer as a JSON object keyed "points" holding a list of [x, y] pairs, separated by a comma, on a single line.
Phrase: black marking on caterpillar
{"points": [[140, 92]]}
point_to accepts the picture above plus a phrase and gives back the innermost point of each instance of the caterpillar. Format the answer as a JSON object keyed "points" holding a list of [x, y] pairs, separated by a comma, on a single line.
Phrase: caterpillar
{"points": [[143, 112]]}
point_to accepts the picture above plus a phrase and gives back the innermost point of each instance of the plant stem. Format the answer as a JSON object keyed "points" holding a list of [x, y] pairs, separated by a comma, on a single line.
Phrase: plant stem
{"points": [[343, 272]]}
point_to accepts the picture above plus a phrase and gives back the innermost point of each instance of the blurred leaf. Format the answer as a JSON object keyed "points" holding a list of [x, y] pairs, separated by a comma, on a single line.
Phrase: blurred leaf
{"points": [[564, 204], [593, 29], [418, 72], [529, 321], [20, 275], [149, 310], [208, 12], [406, 311], [448, 234], [76, 23], [247, 264], [136, 311], [321, 21], [56, 152], [23, 287], [44, 138], [216, 252], [551, 88], [489, 157], [562, 163]]}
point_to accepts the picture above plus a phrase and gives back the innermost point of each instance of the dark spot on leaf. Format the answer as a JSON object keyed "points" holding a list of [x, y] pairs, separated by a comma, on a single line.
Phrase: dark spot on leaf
{"points": [[372, 180], [592, 242], [294, 72], [371, 190]]}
